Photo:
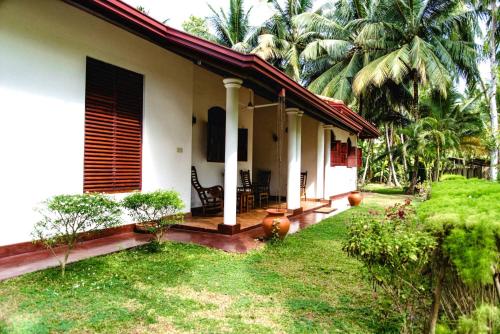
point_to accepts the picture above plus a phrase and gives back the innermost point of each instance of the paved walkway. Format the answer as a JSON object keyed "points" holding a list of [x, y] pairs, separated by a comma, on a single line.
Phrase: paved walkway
{"points": [[240, 243]]}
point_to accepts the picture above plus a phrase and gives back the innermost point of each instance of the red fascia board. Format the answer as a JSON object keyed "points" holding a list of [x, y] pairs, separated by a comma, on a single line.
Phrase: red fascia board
{"points": [[367, 126], [134, 19]]}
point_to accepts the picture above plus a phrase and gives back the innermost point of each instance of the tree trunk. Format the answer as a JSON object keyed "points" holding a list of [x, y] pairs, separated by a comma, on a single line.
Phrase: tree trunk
{"points": [[496, 281], [64, 261], [414, 177], [367, 163], [416, 115], [436, 303], [493, 91], [436, 165], [392, 169], [405, 164]]}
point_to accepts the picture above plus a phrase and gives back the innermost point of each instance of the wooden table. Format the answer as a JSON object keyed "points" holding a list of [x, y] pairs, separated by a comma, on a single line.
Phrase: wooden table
{"points": [[245, 201]]}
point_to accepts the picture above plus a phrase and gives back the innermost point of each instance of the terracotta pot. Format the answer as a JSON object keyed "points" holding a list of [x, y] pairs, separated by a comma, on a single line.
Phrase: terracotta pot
{"points": [[275, 215], [355, 198]]}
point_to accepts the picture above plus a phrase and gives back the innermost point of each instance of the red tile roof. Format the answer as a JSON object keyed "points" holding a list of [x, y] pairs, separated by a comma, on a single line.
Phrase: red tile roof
{"points": [[369, 129], [257, 74]]}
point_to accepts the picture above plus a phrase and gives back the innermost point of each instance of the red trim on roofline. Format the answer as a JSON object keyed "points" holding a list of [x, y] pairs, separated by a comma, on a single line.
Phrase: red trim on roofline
{"points": [[247, 66], [368, 127]]}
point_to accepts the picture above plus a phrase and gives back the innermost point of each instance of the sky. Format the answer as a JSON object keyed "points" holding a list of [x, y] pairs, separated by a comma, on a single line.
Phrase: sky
{"points": [[178, 11]]}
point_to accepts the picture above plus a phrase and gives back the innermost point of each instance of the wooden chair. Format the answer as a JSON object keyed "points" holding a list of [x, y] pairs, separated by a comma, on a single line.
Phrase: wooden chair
{"points": [[263, 186], [248, 188], [212, 198], [303, 184]]}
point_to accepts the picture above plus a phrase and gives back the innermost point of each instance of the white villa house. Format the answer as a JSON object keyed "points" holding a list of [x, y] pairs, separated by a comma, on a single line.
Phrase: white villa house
{"points": [[96, 96]]}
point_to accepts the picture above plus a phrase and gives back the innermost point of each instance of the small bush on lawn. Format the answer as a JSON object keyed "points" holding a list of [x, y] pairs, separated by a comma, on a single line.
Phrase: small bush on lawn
{"points": [[158, 210], [446, 257], [396, 252], [65, 216]]}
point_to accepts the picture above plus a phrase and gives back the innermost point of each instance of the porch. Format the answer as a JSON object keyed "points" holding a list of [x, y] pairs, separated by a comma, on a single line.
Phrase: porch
{"points": [[247, 220], [237, 130]]}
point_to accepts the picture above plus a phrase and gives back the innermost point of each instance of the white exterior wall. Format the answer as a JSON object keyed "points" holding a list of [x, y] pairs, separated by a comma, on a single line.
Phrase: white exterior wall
{"points": [[342, 179], [265, 148], [309, 149], [42, 107], [44, 45], [209, 92]]}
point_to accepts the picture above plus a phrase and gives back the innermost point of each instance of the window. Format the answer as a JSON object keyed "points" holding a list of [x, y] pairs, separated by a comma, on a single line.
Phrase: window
{"points": [[113, 129], [360, 158], [351, 154], [216, 141], [338, 152], [216, 137]]}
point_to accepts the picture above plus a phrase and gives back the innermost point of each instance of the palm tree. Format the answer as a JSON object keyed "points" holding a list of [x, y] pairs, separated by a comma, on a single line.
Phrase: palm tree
{"points": [[232, 28], [487, 8], [431, 42], [348, 39], [280, 40]]}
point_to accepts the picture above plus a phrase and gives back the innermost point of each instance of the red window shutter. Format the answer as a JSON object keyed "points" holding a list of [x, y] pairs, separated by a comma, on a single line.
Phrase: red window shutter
{"points": [[351, 156], [343, 154], [334, 153], [113, 129], [360, 157]]}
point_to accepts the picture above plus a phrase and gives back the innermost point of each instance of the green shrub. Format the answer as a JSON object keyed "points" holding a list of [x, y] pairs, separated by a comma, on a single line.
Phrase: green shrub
{"points": [[158, 210], [65, 216], [484, 320], [466, 213], [464, 216], [396, 252], [450, 177]]}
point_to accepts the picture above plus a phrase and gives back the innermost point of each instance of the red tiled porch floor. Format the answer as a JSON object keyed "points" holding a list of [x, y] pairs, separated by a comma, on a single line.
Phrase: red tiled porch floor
{"points": [[247, 220], [240, 243]]}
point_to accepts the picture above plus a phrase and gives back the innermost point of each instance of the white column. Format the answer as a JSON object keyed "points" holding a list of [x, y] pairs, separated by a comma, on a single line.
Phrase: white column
{"points": [[320, 161], [293, 184], [328, 138], [298, 147], [298, 142], [231, 158]]}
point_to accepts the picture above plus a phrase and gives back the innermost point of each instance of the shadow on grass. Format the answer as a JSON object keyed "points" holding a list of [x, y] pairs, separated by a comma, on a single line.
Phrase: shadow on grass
{"points": [[319, 286], [95, 293]]}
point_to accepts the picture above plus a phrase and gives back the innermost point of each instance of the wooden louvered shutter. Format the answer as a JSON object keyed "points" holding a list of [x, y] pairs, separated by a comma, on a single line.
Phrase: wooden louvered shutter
{"points": [[113, 128], [343, 154]]}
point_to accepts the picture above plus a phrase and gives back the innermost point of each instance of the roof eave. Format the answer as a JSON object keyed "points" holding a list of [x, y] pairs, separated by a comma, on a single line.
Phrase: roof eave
{"points": [[197, 49]]}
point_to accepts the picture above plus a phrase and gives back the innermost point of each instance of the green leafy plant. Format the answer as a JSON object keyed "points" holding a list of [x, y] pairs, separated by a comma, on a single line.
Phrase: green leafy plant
{"points": [[64, 217], [275, 232], [157, 210], [423, 190], [396, 252]]}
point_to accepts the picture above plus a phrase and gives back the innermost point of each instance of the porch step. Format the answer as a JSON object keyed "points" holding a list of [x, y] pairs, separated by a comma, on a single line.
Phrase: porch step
{"points": [[325, 209]]}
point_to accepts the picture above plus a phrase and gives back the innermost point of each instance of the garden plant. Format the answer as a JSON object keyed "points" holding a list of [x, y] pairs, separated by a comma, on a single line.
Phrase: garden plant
{"points": [[156, 210], [439, 264], [65, 217]]}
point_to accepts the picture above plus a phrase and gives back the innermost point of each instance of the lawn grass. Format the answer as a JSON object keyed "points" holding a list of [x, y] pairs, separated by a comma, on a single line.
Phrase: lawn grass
{"points": [[381, 188], [306, 284]]}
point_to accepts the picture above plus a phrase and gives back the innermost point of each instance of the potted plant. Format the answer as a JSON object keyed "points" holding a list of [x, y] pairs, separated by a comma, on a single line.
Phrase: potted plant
{"points": [[276, 223], [154, 212]]}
